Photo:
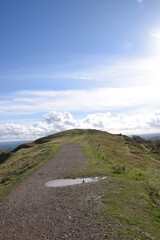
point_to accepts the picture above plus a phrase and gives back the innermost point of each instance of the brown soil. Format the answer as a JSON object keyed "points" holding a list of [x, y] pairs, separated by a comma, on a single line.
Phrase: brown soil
{"points": [[32, 211]]}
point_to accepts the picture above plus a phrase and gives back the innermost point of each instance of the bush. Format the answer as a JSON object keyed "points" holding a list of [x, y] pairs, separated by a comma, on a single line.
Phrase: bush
{"points": [[119, 169]]}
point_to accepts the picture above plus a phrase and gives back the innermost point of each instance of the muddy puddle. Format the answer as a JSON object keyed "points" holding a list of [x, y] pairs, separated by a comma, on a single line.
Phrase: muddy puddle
{"points": [[71, 182]]}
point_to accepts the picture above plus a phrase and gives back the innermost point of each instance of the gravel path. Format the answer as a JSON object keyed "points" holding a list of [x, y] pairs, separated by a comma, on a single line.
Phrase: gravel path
{"points": [[32, 211]]}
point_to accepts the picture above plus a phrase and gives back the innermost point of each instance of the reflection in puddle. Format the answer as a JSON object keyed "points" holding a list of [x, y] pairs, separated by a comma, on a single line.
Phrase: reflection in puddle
{"points": [[70, 182]]}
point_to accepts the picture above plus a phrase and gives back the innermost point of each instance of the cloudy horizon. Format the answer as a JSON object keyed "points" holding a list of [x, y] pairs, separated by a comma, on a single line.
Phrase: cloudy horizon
{"points": [[79, 67]]}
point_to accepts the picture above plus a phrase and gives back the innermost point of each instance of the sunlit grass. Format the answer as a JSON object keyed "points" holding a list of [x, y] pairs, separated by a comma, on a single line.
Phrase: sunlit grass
{"points": [[131, 193]]}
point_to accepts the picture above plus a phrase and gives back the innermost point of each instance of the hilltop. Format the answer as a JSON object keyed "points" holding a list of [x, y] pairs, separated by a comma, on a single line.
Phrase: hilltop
{"points": [[131, 193]]}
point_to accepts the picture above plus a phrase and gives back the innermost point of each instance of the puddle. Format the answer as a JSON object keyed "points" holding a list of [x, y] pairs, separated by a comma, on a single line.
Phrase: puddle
{"points": [[71, 182]]}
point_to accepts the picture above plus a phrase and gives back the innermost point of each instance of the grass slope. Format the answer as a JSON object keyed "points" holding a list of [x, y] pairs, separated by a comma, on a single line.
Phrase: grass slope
{"points": [[131, 194]]}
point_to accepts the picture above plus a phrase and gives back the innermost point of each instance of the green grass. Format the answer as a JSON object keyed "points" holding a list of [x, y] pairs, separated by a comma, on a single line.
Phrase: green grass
{"points": [[131, 198], [132, 194], [24, 162]]}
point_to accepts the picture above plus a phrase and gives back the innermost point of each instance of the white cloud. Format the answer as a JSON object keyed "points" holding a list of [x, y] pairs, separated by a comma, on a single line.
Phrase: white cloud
{"points": [[105, 71], [155, 120], [102, 99], [11, 131], [155, 33], [122, 84], [130, 86], [59, 121], [123, 72]]}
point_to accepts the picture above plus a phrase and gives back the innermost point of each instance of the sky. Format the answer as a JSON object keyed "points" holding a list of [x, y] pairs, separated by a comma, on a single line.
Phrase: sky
{"points": [[79, 64]]}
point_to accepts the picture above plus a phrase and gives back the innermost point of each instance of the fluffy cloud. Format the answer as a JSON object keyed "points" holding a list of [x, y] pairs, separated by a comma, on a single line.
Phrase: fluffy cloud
{"points": [[59, 121], [11, 131], [155, 120], [53, 122]]}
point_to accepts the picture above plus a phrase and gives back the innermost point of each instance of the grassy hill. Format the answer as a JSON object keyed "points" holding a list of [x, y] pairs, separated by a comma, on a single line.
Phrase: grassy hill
{"points": [[131, 194]]}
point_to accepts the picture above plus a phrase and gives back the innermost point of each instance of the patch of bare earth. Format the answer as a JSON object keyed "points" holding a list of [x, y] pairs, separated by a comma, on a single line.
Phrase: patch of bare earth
{"points": [[32, 211]]}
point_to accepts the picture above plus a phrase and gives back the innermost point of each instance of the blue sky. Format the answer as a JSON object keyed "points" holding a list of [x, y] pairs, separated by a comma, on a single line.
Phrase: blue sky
{"points": [[97, 60]]}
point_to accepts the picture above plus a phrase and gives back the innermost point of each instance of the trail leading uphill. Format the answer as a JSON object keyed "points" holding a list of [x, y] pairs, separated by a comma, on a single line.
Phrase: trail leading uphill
{"points": [[125, 206], [33, 212]]}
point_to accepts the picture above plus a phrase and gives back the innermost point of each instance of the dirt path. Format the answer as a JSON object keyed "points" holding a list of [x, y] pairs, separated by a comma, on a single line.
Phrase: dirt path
{"points": [[32, 211]]}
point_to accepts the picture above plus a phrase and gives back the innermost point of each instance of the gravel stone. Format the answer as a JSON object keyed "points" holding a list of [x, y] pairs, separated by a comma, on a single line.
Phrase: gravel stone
{"points": [[33, 212]]}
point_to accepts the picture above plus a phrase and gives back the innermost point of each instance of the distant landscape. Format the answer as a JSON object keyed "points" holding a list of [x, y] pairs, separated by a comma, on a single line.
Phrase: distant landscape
{"points": [[10, 145], [151, 136]]}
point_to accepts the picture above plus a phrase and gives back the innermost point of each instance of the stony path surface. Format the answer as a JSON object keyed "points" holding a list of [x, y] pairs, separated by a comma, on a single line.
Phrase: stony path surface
{"points": [[32, 211]]}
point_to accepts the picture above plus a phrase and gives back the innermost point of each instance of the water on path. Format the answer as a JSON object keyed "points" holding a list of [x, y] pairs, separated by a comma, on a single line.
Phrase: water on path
{"points": [[70, 182]]}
